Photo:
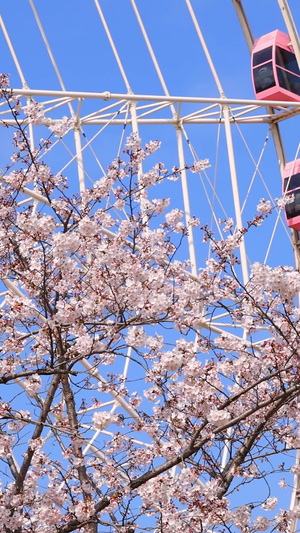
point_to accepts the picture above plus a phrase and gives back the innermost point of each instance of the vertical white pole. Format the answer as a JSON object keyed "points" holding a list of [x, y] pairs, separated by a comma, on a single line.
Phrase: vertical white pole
{"points": [[295, 498], [186, 201], [236, 199], [79, 158], [238, 216], [135, 130]]}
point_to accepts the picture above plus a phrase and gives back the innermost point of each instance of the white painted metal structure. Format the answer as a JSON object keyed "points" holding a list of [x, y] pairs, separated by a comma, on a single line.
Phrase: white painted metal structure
{"points": [[93, 113]]}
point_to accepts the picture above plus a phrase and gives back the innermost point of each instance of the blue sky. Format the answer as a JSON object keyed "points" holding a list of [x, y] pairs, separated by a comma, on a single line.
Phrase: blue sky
{"points": [[80, 46]]}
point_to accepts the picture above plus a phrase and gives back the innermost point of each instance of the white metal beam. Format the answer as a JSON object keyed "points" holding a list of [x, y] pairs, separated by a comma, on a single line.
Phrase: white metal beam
{"points": [[106, 95]]}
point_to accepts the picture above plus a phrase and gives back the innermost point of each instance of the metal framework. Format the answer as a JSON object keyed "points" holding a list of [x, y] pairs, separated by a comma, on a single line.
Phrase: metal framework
{"points": [[94, 112]]}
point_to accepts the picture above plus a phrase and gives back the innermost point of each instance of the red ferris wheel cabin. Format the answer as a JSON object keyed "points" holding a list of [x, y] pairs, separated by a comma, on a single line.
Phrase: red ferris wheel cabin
{"points": [[291, 184], [275, 72]]}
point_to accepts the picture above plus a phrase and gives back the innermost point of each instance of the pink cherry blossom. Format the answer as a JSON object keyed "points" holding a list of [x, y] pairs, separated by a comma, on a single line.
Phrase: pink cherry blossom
{"points": [[269, 504], [262, 523], [198, 166], [124, 404], [61, 127], [102, 419], [34, 111], [264, 206]]}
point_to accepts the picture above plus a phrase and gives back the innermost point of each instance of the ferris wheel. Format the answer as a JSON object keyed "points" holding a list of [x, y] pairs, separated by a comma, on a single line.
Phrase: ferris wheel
{"points": [[103, 71]]}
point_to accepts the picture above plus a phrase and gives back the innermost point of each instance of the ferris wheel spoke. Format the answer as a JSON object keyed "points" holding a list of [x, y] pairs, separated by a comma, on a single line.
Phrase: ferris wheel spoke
{"points": [[51, 56]]}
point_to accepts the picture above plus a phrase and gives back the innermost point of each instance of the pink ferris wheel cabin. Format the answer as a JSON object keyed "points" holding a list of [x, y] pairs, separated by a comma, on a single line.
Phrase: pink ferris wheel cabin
{"points": [[275, 72], [291, 185]]}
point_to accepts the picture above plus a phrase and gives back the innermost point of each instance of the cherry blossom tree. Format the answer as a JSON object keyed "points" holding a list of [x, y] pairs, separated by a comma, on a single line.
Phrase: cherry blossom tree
{"points": [[202, 417]]}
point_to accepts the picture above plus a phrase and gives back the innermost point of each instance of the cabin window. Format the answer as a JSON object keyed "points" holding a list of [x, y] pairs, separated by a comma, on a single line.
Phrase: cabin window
{"points": [[293, 210], [287, 60], [288, 81], [287, 70], [262, 56], [291, 183], [263, 77]]}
